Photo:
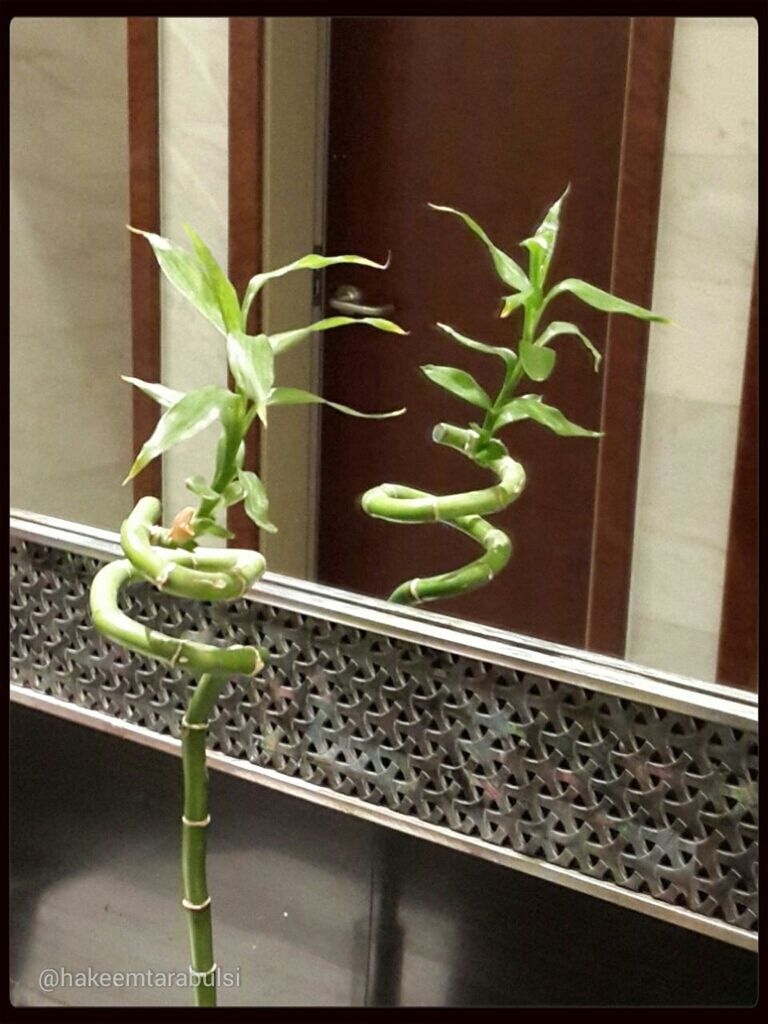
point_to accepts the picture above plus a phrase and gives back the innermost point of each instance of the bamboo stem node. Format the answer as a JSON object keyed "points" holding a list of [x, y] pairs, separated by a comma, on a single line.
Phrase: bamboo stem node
{"points": [[196, 824], [203, 974], [196, 906], [194, 726], [164, 575]]}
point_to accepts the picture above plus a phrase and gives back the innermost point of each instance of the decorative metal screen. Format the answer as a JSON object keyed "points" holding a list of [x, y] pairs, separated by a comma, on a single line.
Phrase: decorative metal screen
{"points": [[651, 800]]}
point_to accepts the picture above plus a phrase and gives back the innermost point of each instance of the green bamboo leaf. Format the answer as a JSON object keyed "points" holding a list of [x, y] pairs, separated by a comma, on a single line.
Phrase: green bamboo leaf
{"points": [[221, 286], [255, 500], [230, 448], [505, 354], [538, 363], [252, 363], [199, 486], [510, 272], [287, 339], [311, 262], [233, 492], [210, 527], [511, 303], [186, 274], [187, 417], [563, 327], [515, 411], [541, 245], [531, 407], [157, 392], [601, 300], [491, 451], [296, 396], [459, 383]]}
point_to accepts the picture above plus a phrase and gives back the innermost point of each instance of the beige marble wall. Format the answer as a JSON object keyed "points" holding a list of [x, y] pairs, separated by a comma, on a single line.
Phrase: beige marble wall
{"points": [[70, 275], [703, 278], [193, 57]]}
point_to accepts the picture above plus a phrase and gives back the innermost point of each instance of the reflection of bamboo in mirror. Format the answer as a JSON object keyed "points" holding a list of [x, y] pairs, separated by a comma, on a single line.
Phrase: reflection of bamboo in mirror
{"points": [[478, 442], [170, 558]]}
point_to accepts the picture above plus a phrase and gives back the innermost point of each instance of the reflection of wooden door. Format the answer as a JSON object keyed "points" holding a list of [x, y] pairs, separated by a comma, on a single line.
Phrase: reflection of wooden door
{"points": [[493, 116]]}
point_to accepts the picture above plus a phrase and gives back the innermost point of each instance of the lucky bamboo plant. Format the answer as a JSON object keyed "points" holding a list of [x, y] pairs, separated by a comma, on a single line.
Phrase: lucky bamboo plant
{"points": [[479, 442], [171, 559]]}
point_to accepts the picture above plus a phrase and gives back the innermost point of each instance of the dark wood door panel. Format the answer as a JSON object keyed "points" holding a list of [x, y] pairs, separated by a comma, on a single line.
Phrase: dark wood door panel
{"points": [[737, 654], [245, 185], [649, 66], [144, 199], [495, 117]]}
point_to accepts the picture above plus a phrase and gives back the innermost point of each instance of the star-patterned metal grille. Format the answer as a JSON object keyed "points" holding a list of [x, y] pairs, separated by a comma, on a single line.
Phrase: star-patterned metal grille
{"points": [[651, 800]]}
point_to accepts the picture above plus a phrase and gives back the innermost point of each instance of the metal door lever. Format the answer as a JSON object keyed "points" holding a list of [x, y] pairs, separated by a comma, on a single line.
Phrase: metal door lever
{"points": [[349, 299]]}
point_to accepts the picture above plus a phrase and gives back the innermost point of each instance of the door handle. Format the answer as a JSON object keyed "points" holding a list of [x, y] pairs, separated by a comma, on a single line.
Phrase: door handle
{"points": [[350, 300]]}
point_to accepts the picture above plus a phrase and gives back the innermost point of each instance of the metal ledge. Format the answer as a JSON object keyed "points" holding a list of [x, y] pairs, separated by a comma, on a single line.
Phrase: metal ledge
{"points": [[726, 704]]}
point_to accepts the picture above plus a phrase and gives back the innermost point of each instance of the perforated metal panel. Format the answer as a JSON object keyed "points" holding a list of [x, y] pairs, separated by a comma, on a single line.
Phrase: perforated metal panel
{"points": [[650, 800]]}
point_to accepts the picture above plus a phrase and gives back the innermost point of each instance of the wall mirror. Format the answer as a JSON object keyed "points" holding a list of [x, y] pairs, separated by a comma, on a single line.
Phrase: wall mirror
{"points": [[275, 137]]}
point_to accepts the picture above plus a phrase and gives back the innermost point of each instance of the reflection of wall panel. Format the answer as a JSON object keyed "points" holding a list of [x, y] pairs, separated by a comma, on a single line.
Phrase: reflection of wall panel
{"points": [[239, 143], [194, 168], [275, 127], [703, 281], [634, 244], [294, 98], [70, 312], [737, 654], [144, 157], [246, 158]]}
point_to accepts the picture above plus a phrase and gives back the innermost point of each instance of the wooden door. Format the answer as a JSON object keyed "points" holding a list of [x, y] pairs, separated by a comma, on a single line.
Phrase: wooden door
{"points": [[494, 116]]}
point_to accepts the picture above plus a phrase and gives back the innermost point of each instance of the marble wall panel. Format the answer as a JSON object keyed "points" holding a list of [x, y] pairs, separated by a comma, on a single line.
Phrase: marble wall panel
{"points": [[70, 277], [194, 190], [703, 278]]}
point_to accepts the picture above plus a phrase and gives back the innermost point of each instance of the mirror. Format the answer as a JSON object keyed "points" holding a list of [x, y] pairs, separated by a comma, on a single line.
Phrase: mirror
{"points": [[619, 545]]}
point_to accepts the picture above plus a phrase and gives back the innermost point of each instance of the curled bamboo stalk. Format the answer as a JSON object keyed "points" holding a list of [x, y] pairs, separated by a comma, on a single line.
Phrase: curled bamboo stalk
{"points": [[207, 574], [534, 360], [202, 574], [172, 560], [464, 512]]}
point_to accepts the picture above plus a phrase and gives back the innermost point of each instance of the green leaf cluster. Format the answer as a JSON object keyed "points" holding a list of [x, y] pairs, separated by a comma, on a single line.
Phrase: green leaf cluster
{"points": [[533, 358], [251, 358]]}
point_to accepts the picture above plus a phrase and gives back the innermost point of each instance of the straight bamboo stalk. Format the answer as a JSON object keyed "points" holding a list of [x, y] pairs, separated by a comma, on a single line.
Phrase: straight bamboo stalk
{"points": [[194, 834]]}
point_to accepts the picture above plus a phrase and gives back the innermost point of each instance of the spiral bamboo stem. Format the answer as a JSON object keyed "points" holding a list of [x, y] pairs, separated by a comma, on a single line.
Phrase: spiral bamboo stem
{"points": [[205, 575], [171, 560], [463, 512]]}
